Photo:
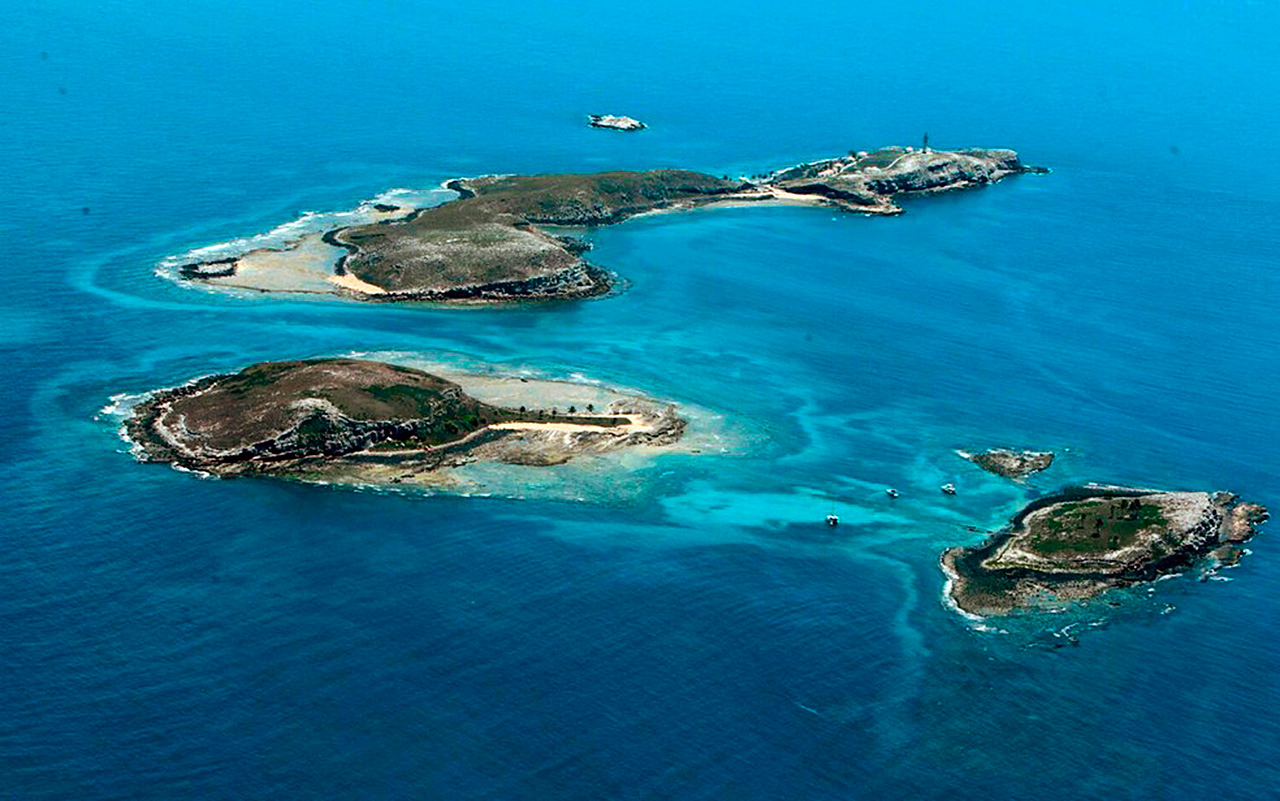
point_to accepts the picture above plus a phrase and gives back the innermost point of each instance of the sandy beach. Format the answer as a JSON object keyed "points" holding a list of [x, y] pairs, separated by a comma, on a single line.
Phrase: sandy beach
{"points": [[772, 197], [349, 282]]}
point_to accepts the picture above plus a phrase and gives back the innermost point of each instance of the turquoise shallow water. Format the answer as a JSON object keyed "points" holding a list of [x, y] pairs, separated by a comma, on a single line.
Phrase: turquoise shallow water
{"points": [[692, 631]]}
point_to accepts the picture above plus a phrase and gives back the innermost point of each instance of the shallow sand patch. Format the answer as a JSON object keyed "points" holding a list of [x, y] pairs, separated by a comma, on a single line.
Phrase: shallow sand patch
{"points": [[305, 266]]}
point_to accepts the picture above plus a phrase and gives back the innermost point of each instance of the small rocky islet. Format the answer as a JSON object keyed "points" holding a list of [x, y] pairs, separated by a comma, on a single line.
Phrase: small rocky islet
{"points": [[1016, 465], [489, 244], [361, 421], [617, 122], [1081, 542]]}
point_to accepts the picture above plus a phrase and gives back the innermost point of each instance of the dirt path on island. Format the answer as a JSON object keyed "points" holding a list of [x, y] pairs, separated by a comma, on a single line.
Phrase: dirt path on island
{"points": [[631, 427]]}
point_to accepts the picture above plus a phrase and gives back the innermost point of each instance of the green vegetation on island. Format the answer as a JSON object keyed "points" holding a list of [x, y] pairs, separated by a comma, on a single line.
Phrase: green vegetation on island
{"points": [[488, 246], [376, 421], [1075, 545]]}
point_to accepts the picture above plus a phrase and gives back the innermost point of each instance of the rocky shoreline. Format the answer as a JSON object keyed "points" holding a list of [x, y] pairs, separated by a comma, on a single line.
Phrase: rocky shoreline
{"points": [[1084, 541], [615, 122], [1016, 465], [488, 244]]}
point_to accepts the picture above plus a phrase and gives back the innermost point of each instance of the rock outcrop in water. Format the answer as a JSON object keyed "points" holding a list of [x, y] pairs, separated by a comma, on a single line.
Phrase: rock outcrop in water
{"points": [[313, 418], [1016, 465], [488, 245], [1078, 544], [870, 180], [616, 122]]}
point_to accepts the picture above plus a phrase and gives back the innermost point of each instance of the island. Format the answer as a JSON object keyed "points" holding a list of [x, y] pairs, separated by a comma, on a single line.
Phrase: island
{"points": [[348, 420], [1016, 465], [1076, 544], [491, 244], [616, 122]]}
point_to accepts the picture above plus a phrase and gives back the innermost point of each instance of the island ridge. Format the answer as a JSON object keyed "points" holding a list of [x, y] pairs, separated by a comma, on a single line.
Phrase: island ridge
{"points": [[489, 245], [361, 421]]}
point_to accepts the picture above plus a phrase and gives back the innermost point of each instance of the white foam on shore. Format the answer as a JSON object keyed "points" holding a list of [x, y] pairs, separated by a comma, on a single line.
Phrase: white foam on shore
{"points": [[121, 405], [483, 480], [288, 234], [197, 473], [976, 622]]}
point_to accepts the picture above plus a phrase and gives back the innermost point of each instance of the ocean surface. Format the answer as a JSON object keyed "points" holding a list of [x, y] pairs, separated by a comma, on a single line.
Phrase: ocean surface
{"points": [[683, 627]]}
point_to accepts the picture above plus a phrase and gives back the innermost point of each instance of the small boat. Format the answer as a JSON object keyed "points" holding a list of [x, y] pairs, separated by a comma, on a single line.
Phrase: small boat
{"points": [[891, 492], [833, 521], [949, 489]]}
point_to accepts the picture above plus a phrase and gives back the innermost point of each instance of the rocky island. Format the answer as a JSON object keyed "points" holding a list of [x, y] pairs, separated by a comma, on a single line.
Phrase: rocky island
{"points": [[1016, 465], [616, 122], [358, 421], [489, 245], [868, 182], [1081, 542]]}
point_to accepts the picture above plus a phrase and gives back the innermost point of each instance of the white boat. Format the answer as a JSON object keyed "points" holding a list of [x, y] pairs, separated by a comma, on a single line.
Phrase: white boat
{"points": [[949, 489], [833, 521], [891, 492]]}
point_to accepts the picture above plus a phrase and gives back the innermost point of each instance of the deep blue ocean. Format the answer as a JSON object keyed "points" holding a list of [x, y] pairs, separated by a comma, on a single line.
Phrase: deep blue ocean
{"points": [[689, 629]]}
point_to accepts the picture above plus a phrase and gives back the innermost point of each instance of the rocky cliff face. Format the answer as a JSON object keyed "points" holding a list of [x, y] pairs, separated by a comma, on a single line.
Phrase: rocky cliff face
{"points": [[581, 280]]}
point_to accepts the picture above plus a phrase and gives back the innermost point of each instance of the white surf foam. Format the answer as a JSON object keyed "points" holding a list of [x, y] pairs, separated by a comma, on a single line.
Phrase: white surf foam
{"points": [[287, 234]]}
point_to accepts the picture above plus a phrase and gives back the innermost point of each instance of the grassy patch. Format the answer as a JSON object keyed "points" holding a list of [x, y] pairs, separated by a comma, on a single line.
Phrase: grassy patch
{"points": [[881, 158], [491, 237], [1093, 527]]}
